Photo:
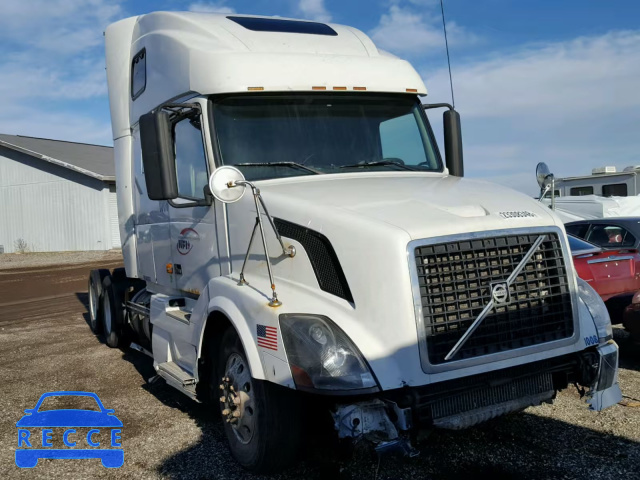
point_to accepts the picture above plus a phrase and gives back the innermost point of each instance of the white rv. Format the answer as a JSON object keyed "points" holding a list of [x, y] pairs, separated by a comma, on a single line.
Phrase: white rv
{"points": [[290, 231], [603, 182]]}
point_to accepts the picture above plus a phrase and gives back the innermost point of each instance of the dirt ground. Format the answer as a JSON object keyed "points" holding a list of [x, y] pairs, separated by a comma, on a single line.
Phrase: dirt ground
{"points": [[46, 345]]}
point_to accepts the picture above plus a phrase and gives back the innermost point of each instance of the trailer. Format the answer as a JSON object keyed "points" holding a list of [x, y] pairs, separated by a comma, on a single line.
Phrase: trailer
{"points": [[294, 243]]}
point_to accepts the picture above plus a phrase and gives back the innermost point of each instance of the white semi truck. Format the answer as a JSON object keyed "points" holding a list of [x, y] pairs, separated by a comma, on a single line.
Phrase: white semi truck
{"points": [[290, 233]]}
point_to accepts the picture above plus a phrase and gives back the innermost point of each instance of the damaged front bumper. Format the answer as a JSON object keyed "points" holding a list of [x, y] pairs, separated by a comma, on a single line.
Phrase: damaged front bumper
{"points": [[380, 422], [605, 391], [389, 419]]}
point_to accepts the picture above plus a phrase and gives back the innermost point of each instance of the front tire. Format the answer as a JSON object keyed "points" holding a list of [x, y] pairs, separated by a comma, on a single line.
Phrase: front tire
{"points": [[267, 436]]}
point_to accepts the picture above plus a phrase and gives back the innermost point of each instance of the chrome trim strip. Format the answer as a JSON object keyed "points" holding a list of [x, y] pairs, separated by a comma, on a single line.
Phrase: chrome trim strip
{"points": [[586, 251], [427, 367], [476, 323], [610, 259]]}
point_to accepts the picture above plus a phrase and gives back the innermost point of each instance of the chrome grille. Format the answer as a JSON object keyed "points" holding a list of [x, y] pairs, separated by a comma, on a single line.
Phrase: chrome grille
{"points": [[455, 281]]}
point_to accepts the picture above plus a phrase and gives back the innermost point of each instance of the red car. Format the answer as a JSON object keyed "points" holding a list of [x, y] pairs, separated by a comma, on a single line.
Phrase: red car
{"points": [[613, 273]]}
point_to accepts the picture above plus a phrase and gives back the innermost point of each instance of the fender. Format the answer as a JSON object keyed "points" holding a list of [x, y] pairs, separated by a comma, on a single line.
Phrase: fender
{"points": [[245, 307], [227, 307]]}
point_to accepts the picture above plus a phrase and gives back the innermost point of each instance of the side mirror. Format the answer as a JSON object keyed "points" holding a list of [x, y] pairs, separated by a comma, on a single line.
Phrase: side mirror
{"points": [[158, 156], [227, 184], [453, 143], [546, 182], [543, 175], [452, 139]]}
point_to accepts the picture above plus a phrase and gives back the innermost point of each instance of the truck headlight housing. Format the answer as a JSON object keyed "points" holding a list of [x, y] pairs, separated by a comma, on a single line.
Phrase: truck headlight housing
{"points": [[597, 309], [321, 355]]}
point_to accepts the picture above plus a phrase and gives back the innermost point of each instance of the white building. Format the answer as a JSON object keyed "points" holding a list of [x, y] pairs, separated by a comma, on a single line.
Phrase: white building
{"points": [[56, 196]]}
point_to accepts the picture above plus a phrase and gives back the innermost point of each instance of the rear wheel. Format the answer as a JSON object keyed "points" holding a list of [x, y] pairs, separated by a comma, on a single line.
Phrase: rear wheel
{"points": [[94, 291], [261, 420], [113, 318]]}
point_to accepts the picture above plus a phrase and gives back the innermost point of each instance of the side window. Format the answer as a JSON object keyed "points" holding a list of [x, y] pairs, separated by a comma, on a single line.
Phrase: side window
{"points": [[611, 236], [579, 191], [191, 162], [138, 73], [556, 194], [614, 190], [579, 230], [401, 139]]}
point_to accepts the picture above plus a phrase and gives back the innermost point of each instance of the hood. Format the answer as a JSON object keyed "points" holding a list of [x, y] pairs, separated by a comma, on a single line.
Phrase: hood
{"points": [[422, 205]]}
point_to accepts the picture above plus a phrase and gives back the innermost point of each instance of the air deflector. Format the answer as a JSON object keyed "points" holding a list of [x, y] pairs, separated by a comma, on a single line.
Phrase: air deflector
{"points": [[258, 24]]}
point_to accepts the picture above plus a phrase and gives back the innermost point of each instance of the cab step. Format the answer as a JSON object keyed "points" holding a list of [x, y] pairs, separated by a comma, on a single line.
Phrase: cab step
{"points": [[177, 377]]}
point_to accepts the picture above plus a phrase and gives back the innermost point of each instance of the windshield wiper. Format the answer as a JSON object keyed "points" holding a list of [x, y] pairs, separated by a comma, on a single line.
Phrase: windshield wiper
{"points": [[379, 163], [277, 164]]}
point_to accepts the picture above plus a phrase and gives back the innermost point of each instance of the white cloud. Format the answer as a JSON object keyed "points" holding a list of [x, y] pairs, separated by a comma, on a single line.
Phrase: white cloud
{"points": [[314, 10], [404, 31], [587, 74], [52, 65], [65, 27], [573, 104], [211, 7]]}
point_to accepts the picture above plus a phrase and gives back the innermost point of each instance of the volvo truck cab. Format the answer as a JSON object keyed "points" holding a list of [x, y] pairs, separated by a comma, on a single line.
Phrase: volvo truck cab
{"points": [[290, 231]]}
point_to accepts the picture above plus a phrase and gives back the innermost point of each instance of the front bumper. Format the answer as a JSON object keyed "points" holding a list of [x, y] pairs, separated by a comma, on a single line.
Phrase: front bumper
{"points": [[464, 402]]}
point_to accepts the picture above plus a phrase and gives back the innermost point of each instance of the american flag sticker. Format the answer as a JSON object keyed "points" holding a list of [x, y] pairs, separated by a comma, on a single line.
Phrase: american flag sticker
{"points": [[267, 337]]}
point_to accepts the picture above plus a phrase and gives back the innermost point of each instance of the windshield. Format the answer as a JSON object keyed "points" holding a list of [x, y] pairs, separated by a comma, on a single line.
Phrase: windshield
{"points": [[272, 136]]}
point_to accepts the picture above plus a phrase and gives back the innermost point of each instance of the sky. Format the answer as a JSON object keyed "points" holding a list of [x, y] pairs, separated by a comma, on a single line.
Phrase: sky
{"points": [[534, 80]]}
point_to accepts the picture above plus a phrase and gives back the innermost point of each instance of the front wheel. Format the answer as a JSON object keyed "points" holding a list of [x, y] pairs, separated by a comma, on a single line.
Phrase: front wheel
{"points": [[261, 420]]}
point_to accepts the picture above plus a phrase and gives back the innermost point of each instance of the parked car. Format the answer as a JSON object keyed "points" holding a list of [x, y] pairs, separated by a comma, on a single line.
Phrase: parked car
{"points": [[614, 274], [608, 233]]}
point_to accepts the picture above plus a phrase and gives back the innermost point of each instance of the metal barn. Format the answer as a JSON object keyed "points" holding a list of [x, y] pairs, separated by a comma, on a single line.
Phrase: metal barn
{"points": [[56, 196]]}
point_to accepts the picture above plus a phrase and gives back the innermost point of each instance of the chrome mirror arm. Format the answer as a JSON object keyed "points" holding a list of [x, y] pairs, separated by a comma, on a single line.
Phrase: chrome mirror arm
{"points": [[291, 251]]}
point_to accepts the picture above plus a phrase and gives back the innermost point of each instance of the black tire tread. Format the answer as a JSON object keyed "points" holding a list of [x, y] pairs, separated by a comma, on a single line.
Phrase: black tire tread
{"points": [[97, 277], [279, 431], [118, 336]]}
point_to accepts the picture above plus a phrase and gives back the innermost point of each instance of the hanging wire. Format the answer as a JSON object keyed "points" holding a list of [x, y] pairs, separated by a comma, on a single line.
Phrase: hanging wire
{"points": [[446, 42]]}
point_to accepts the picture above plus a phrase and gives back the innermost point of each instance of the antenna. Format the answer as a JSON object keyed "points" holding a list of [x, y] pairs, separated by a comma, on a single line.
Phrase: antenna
{"points": [[446, 42]]}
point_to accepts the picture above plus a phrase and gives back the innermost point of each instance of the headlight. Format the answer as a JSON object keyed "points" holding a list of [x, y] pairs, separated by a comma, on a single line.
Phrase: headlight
{"points": [[597, 309], [321, 356]]}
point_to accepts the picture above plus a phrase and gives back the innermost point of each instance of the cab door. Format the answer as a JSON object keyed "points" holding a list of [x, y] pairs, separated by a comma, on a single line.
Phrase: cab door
{"points": [[192, 227]]}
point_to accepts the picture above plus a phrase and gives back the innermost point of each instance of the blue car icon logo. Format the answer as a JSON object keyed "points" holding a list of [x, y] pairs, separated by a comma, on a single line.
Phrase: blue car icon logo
{"points": [[74, 428]]}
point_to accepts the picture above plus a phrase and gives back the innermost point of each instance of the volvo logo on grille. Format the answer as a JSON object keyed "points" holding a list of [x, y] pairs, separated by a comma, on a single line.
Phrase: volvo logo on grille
{"points": [[500, 293]]}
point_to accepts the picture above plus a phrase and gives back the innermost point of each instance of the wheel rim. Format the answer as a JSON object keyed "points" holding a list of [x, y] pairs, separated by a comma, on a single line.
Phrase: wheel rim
{"points": [[239, 377], [93, 311], [107, 314]]}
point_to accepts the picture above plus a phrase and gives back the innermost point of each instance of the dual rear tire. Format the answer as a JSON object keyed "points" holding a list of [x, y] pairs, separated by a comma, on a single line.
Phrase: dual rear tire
{"points": [[95, 291], [106, 306], [114, 325]]}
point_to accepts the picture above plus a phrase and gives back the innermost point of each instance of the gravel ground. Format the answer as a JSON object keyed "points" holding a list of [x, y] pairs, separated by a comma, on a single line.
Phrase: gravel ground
{"points": [[45, 345], [26, 260]]}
